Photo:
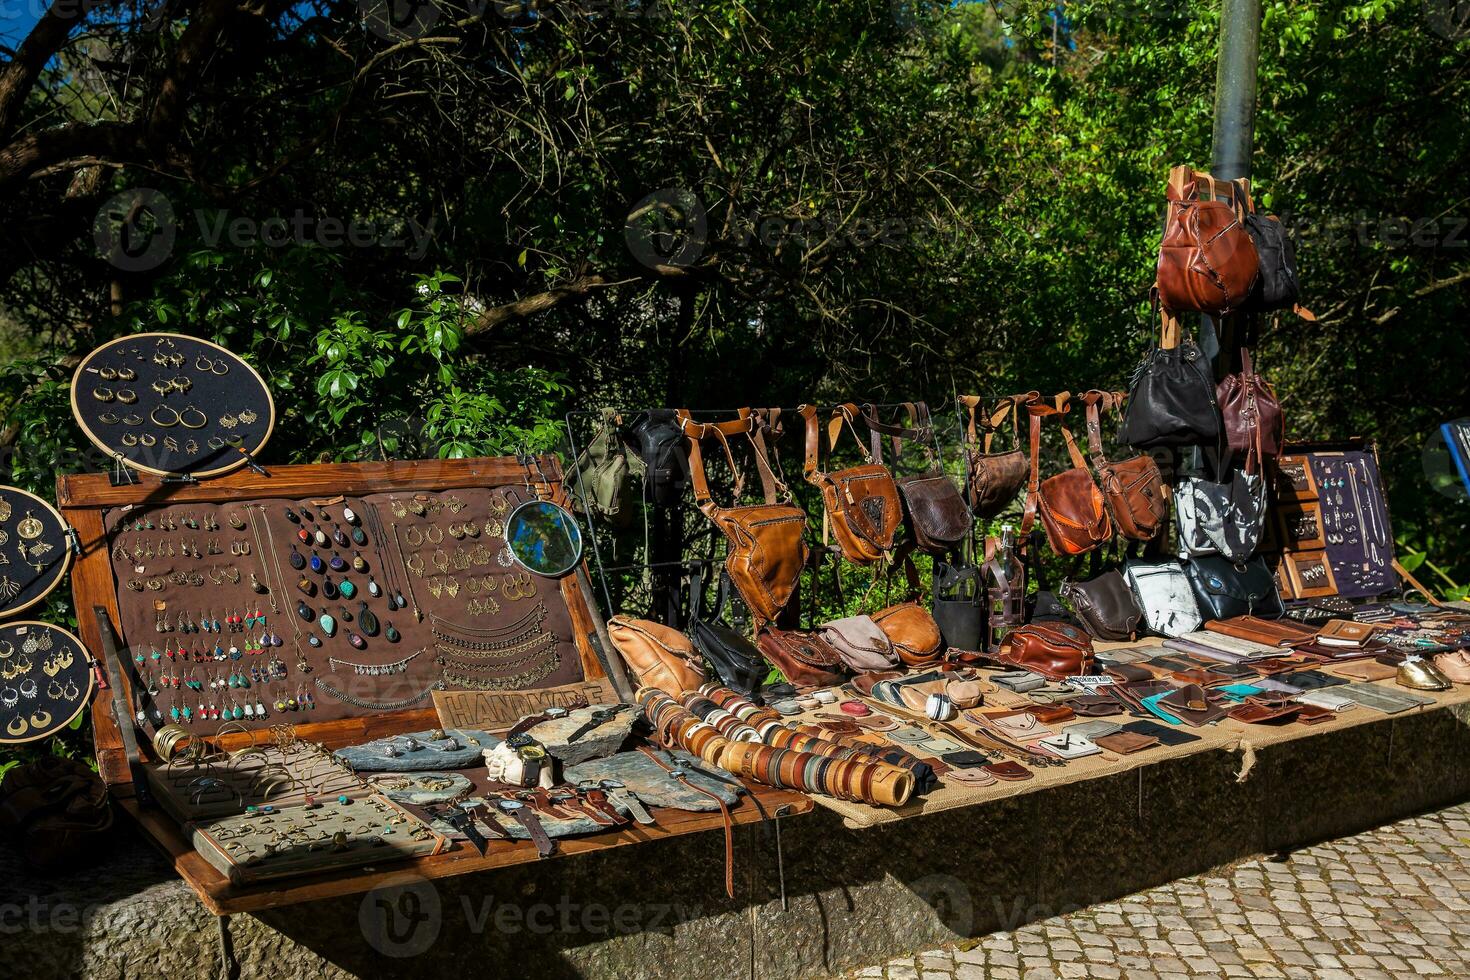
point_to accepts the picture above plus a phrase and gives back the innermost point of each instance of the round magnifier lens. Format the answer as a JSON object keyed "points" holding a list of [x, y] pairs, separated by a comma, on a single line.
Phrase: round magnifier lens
{"points": [[544, 538]]}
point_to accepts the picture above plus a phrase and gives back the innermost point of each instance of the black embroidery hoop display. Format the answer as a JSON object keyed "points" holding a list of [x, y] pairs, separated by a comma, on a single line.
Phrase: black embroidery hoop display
{"points": [[35, 551], [46, 680], [172, 405]]}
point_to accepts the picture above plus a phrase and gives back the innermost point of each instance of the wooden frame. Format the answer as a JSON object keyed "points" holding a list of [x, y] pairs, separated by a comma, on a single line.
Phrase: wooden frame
{"points": [[83, 499]]}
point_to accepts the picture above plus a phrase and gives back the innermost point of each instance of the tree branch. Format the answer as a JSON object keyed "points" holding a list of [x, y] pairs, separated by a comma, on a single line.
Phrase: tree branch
{"points": [[578, 288], [39, 47], [1423, 291]]}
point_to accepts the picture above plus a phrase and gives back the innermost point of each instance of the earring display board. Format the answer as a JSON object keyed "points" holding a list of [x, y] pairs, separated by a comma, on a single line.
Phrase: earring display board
{"points": [[34, 550], [169, 405], [45, 680], [1332, 520]]}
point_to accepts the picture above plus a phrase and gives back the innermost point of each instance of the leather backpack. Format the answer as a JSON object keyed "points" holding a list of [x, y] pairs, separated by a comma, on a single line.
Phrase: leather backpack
{"points": [[603, 477], [1251, 411], [992, 480], [862, 506], [1072, 508], [1207, 261], [937, 514], [659, 442], [1133, 488], [767, 541], [1171, 399], [736, 660]]}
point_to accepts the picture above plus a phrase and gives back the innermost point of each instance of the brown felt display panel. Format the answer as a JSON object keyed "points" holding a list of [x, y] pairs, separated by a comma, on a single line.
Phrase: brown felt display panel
{"points": [[166, 404], [34, 551], [217, 619]]}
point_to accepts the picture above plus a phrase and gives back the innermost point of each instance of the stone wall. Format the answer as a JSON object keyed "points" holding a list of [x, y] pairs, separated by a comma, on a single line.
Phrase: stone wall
{"points": [[851, 897]]}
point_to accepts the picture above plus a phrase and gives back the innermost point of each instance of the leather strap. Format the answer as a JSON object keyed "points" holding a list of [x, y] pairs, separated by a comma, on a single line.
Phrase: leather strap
{"points": [[724, 812], [745, 424], [527, 818], [1036, 410], [920, 429], [1096, 403], [1009, 405]]}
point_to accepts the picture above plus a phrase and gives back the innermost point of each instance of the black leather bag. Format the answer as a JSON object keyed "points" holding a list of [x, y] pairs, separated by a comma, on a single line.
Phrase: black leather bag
{"points": [[659, 441], [1105, 606], [1171, 399], [1276, 287], [1225, 588], [959, 605], [735, 658]]}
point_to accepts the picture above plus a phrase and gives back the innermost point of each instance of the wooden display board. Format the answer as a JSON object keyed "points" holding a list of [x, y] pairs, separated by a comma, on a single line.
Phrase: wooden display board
{"points": [[84, 500]]}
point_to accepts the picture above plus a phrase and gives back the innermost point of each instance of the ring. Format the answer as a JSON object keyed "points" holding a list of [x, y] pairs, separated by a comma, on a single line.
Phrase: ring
{"points": [[153, 417], [203, 419]]}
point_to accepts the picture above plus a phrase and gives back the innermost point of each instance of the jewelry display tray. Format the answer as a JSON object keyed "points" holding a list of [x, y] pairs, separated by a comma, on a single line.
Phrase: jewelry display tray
{"points": [[122, 756]]}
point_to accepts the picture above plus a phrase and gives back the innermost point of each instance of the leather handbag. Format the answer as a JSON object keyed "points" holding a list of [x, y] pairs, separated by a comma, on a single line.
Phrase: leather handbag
{"points": [[56, 813], [1163, 593], [736, 660], [1276, 286], [959, 606], [1054, 650], [937, 514], [1226, 518], [659, 443], [805, 659], [861, 644], [992, 480], [915, 635], [603, 476], [1250, 411], [1207, 261], [659, 656], [1071, 506], [1133, 488], [767, 541], [861, 502], [1224, 588], [1105, 606], [1171, 397]]}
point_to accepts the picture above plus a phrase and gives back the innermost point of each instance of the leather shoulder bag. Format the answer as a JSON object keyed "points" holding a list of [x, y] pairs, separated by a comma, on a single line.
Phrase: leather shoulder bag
{"points": [[1163, 593], [1276, 285], [767, 541], [861, 502], [1221, 518], [861, 644], [659, 442], [1171, 397], [1054, 650], [1251, 411], [912, 630], [1224, 589], [735, 658], [1071, 506], [937, 514], [1207, 261], [992, 480], [659, 656], [603, 474], [1105, 606], [805, 659], [1133, 488]]}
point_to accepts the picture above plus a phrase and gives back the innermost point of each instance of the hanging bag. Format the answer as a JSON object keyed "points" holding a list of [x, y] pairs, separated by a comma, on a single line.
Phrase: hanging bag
{"points": [[1207, 261], [861, 503], [736, 660], [1072, 508], [1171, 398], [604, 475], [992, 480], [1251, 411], [1276, 286], [937, 514], [1133, 488], [659, 442]]}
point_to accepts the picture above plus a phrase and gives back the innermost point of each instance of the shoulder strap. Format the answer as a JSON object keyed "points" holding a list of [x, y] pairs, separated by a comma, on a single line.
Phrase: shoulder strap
{"points": [[743, 424], [919, 430], [843, 416], [1096, 402]]}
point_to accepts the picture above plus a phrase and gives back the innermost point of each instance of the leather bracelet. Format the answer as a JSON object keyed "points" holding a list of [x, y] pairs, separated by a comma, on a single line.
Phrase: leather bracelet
{"points": [[870, 772]]}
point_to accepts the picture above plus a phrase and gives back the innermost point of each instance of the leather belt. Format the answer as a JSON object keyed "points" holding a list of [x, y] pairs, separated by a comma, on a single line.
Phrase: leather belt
{"points": [[682, 777]]}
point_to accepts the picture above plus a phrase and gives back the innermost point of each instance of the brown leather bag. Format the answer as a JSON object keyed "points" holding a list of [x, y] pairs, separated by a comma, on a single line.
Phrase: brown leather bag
{"points": [[1055, 650], [861, 502], [992, 480], [1251, 412], [659, 656], [767, 541], [914, 633], [1207, 261], [805, 659], [937, 514], [1071, 506], [56, 813], [1133, 488]]}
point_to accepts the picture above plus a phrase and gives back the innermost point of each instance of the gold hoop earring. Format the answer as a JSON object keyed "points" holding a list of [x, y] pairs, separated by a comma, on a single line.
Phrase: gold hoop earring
{"points": [[102, 394], [203, 419], [147, 440], [153, 417], [127, 396]]}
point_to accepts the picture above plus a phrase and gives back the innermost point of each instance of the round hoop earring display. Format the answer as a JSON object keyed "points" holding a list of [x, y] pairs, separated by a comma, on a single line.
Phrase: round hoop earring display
{"points": [[45, 681], [543, 538], [172, 405], [34, 550]]}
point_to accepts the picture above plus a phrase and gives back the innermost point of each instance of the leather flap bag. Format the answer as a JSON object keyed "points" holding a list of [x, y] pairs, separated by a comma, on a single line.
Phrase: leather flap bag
{"points": [[1207, 261], [1171, 398], [1133, 488], [1105, 606], [1054, 650], [861, 644], [805, 659], [736, 660], [659, 656], [1163, 593], [1225, 588], [914, 633], [992, 480], [1251, 412], [861, 502], [959, 606], [1226, 518], [937, 514], [767, 541], [1071, 506], [659, 442]]}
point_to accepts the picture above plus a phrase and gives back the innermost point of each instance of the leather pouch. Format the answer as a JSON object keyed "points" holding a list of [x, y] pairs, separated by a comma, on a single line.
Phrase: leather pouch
{"points": [[1259, 711], [992, 480], [1191, 705], [805, 659], [861, 644], [736, 660], [1050, 714], [1105, 606], [937, 514], [861, 502], [1009, 770], [657, 438], [1096, 705], [1134, 487], [658, 655], [1125, 743], [1053, 650], [913, 632]]}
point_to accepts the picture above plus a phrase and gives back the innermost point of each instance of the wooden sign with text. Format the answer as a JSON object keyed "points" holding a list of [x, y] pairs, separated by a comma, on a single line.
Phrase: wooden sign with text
{"points": [[496, 711]]}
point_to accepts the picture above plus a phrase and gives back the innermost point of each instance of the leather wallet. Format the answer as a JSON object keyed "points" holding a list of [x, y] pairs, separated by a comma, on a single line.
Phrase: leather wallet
{"points": [[1126, 743], [1096, 705], [1008, 770], [1164, 733], [1049, 714], [1191, 705], [1093, 728], [1273, 632], [1366, 670]]}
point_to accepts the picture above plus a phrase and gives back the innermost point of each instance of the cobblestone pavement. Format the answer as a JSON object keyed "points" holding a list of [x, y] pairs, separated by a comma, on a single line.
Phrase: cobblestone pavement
{"points": [[1392, 902]]}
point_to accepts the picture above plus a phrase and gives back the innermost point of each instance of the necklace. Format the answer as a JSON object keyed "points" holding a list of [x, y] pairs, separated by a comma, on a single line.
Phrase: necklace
{"points": [[345, 698], [260, 551], [29, 527], [417, 615], [301, 665], [534, 616], [375, 670]]}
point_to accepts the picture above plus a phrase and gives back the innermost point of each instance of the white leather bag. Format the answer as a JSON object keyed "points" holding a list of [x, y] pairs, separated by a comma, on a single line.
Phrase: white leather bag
{"points": [[1163, 593]]}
